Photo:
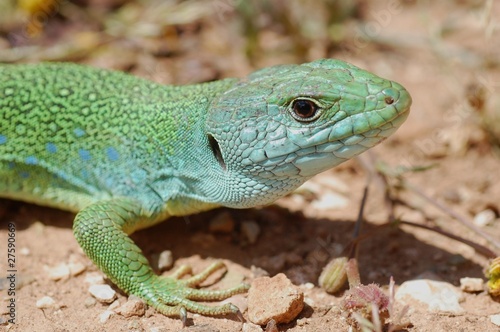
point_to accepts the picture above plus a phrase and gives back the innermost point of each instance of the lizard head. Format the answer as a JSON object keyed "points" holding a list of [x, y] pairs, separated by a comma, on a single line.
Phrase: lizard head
{"points": [[282, 125]]}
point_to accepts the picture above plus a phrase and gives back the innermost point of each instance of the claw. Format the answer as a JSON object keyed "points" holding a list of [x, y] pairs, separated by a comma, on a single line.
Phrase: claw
{"points": [[239, 314], [183, 316]]}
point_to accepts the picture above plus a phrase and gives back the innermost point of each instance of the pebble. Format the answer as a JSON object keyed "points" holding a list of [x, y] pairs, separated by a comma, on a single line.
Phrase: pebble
{"points": [[76, 268], [495, 319], [103, 293], [471, 285], [94, 278], [274, 298], [104, 317], [438, 296], [45, 302], [133, 307], [165, 260], [485, 218], [59, 272], [250, 230]]}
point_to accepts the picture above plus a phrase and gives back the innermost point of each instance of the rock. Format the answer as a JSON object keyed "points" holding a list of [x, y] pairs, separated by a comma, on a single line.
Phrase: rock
{"points": [[75, 265], [104, 317], [471, 285], [102, 293], [438, 296], [114, 305], [76, 268], [250, 230], [274, 298], [133, 307], [495, 319], [45, 302], [165, 260], [59, 272], [485, 218], [94, 278], [222, 223]]}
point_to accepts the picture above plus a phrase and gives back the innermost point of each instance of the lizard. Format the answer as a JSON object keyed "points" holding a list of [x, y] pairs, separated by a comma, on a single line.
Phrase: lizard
{"points": [[125, 153]]}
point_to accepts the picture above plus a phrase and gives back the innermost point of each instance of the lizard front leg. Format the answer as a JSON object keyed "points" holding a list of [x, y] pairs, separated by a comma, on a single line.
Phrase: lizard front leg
{"points": [[102, 231]]}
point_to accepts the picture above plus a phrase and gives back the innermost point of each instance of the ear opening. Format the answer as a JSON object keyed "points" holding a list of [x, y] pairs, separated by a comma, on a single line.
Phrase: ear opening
{"points": [[214, 145]]}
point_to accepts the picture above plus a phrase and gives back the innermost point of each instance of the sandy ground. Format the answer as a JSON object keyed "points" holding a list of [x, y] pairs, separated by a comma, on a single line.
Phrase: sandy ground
{"points": [[437, 50]]}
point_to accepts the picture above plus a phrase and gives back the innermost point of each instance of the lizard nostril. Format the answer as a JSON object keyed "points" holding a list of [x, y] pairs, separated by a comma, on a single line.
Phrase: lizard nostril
{"points": [[389, 100], [391, 95]]}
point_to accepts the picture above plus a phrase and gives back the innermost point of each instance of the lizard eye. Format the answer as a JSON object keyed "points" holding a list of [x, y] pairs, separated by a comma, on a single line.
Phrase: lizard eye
{"points": [[305, 110]]}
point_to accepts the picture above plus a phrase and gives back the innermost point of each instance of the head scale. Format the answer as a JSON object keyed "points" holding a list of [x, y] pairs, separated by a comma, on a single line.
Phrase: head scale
{"points": [[283, 124]]}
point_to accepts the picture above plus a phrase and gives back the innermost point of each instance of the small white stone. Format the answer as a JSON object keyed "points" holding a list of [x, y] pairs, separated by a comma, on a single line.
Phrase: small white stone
{"points": [[495, 319], [25, 251], [437, 295], [104, 317], [103, 293], [94, 278], [76, 268], [58, 272], [309, 285], [45, 302], [471, 285], [250, 230], [114, 305], [484, 218], [165, 260]]}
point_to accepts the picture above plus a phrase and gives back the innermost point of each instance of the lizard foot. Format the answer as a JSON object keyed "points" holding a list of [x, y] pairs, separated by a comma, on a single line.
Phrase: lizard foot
{"points": [[173, 296]]}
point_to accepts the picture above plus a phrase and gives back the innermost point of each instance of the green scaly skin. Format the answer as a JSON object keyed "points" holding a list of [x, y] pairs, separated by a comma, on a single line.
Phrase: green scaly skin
{"points": [[126, 153]]}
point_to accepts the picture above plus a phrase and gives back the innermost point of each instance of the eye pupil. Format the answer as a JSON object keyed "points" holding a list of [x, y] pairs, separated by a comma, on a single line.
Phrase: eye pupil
{"points": [[304, 109]]}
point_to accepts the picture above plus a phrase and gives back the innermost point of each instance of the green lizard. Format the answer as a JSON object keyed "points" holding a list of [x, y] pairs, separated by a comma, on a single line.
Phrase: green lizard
{"points": [[125, 153]]}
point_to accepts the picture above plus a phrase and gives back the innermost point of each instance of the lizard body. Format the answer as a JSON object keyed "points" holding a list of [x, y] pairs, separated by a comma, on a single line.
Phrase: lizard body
{"points": [[125, 153]]}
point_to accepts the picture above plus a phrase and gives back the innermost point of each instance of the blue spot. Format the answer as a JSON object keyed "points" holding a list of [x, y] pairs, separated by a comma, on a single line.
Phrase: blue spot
{"points": [[31, 160], [85, 174], [51, 147], [113, 155], [24, 174], [3, 139], [79, 132], [11, 165], [84, 154]]}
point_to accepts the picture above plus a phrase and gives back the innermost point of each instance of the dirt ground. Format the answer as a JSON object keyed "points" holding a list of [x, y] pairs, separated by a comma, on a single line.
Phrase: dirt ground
{"points": [[446, 53]]}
